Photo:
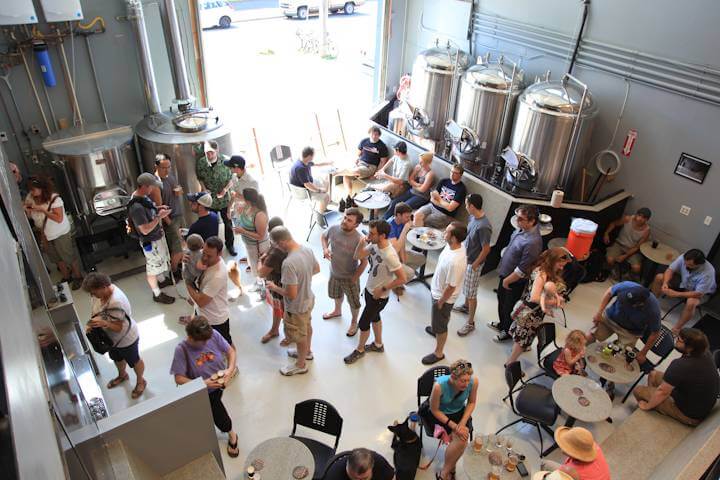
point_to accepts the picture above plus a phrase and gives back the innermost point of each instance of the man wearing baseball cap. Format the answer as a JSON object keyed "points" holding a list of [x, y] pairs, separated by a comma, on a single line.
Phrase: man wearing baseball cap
{"points": [[207, 224], [214, 177], [145, 221], [585, 459]]}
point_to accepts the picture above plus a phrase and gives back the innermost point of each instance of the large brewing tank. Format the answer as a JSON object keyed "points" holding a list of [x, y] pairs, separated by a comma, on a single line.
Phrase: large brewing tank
{"points": [[553, 125], [181, 138], [432, 90], [99, 166], [485, 107]]}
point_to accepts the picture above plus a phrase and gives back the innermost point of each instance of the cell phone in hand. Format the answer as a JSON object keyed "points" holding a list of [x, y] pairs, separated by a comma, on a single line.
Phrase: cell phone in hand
{"points": [[522, 470]]}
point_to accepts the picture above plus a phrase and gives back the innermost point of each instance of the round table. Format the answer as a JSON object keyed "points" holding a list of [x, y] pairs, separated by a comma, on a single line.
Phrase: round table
{"points": [[477, 466], [435, 241], [662, 254], [621, 372], [280, 456], [374, 199], [568, 389], [545, 228]]}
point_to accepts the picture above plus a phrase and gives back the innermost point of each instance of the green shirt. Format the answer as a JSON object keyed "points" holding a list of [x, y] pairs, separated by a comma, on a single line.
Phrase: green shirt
{"points": [[215, 177]]}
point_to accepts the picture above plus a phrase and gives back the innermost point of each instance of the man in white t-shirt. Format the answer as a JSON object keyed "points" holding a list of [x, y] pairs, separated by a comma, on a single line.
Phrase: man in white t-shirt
{"points": [[445, 287], [110, 310], [211, 294], [385, 273]]}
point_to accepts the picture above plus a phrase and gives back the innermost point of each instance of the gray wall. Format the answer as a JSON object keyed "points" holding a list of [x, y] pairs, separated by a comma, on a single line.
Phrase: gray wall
{"points": [[118, 71], [667, 124]]}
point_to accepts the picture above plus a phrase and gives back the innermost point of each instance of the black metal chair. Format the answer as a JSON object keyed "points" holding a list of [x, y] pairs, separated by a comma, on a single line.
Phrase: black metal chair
{"points": [[662, 347], [281, 161], [321, 416], [545, 338], [424, 389], [335, 459], [533, 403], [302, 195]]}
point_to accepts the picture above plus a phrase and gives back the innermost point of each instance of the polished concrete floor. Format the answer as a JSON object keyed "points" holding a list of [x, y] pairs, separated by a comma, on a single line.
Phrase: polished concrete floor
{"points": [[369, 394]]}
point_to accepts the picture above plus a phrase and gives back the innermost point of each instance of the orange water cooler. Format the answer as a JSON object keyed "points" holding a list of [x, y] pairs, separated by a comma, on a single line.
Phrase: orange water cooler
{"points": [[580, 239]]}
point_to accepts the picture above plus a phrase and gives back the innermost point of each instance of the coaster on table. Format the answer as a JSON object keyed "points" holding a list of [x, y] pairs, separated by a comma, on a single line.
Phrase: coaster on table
{"points": [[300, 472], [592, 358], [607, 368], [258, 464], [577, 391], [629, 367], [583, 401]]}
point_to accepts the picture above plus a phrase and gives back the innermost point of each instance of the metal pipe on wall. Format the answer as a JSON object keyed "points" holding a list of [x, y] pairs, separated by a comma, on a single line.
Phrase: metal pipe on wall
{"points": [[95, 77], [137, 18], [70, 84], [35, 93], [176, 56]]}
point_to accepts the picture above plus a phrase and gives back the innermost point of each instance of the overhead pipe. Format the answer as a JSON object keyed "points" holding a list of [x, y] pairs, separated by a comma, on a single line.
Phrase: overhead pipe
{"points": [[35, 92], [586, 9], [178, 68], [77, 118], [137, 18], [85, 31]]}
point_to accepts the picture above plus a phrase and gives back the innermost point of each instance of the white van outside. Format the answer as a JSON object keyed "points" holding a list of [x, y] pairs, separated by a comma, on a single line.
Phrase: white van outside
{"points": [[302, 8]]}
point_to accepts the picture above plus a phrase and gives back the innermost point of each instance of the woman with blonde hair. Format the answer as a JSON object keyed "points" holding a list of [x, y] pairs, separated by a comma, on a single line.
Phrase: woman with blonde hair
{"points": [[451, 405], [542, 294], [421, 181]]}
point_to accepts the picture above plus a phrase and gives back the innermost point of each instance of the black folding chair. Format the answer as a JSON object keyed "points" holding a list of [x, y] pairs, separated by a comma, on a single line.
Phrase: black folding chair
{"points": [[545, 338], [662, 347], [281, 161], [335, 459], [424, 389], [321, 416], [533, 403]]}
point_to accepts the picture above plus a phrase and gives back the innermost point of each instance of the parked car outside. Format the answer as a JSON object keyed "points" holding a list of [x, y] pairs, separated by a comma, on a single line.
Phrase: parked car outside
{"points": [[215, 13], [302, 8]]}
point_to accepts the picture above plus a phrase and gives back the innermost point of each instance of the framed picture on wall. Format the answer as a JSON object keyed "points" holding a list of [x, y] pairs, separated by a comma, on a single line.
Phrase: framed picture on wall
{"points": [[692, 167]]}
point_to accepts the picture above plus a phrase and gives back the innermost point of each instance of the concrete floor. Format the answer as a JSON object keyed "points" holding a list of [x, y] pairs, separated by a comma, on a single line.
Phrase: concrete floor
{"points": [[369, 394]]}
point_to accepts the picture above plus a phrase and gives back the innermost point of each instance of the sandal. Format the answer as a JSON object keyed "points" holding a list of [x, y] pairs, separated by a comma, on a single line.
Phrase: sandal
{"points": [[268, 336], [328, 316], [139, 389], [284, 342], [232, 448], [352, 330], [117, 381]]}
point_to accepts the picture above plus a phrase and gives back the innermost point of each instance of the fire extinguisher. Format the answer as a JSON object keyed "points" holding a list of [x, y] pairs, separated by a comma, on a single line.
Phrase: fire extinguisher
{"points": [[43, 58]]}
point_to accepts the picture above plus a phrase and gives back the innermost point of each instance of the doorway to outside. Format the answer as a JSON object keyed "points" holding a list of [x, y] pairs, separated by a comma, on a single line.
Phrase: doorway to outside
{"points": [[265, 73]]}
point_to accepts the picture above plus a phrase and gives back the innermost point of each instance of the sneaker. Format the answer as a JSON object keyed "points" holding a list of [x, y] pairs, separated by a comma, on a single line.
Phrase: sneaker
{"points": [[431, 358], [163, 298], [371, 347], [341, 206], [461, 309], [502, 337], [292, 353], [494, 325], [165, 283], [292, 369], [429, 331], [353, 357], [466, 329]]}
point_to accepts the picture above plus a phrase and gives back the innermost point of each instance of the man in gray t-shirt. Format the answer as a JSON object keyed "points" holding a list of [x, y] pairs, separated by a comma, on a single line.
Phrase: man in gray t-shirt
{"points": [[296, 278], [477, 248], [339, 244]]}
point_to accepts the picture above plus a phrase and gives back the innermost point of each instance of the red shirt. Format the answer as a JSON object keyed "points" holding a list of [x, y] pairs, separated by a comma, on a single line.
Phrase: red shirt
{"points": [[596, 470]]}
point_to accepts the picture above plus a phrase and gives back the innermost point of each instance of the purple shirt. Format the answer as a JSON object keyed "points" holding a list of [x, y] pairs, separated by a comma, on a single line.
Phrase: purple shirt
{"points": [[204, 361]]}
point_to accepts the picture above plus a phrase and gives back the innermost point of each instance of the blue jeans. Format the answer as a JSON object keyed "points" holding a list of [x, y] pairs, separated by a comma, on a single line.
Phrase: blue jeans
{"points": [[413, 201]]}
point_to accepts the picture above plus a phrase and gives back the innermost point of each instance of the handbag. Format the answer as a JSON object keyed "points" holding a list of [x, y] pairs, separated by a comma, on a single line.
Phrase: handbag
{"points": [[98, 337]]}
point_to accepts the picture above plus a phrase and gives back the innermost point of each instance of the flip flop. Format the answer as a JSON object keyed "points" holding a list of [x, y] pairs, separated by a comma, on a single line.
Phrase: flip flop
{"points": [[328, 316], [117, 381], [139, 389], [232, 448], [352, 330], [267, 337], [284, 342]]}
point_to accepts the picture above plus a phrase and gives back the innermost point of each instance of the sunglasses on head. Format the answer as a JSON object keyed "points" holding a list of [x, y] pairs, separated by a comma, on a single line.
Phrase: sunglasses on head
{"points": [[462, 366]]}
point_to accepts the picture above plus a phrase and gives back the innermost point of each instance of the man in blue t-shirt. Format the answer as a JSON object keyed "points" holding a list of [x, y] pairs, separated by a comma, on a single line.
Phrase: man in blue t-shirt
{"points": [[634, 314], [400, 225], [689, 277], [207, 224], [372, 156], [301, 176], [445, 201]]}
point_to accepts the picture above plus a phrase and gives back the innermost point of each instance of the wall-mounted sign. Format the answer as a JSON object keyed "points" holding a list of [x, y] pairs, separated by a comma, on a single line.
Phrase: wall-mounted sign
{"points": [[692, 167]]}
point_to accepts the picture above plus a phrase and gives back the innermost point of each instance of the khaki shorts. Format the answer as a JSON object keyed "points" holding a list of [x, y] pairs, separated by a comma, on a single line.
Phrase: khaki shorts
{"points": [[337, 287], [297, 325], [62, 249], [172, 235], [668, 406], [365, 170], [434, 218], [615, 250], [606, 327], [392, 189]]}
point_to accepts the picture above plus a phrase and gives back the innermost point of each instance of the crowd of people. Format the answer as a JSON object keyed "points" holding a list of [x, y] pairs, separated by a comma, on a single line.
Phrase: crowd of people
{"points": [[531, 286]]}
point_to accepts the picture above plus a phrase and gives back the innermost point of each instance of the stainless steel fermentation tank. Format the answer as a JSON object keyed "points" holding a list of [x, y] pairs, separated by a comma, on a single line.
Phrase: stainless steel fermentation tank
{"points": [[433, 89], [98, 165], [486, 103], [552, 129], [179, 133]]}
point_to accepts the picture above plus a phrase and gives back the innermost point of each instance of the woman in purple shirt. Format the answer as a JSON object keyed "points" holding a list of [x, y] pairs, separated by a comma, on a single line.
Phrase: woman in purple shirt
{"points": [[203, 354]]}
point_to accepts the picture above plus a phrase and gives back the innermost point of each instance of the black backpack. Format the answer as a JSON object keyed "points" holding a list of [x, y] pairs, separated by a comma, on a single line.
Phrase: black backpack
{"points": [[99, 339], [130, 229]]}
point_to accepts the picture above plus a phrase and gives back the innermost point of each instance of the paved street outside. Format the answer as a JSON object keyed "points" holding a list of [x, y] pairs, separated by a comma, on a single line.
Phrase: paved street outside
{"points": [[258, 79]]}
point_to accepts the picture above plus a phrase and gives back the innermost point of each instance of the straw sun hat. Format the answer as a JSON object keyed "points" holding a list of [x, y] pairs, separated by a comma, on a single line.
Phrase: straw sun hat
{"points": [[554, 475], [577, 443]]}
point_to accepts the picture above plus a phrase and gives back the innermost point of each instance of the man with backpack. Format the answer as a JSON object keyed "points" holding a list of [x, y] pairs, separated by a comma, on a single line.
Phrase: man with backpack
{"points": [[112, 315], [144, 222]]}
